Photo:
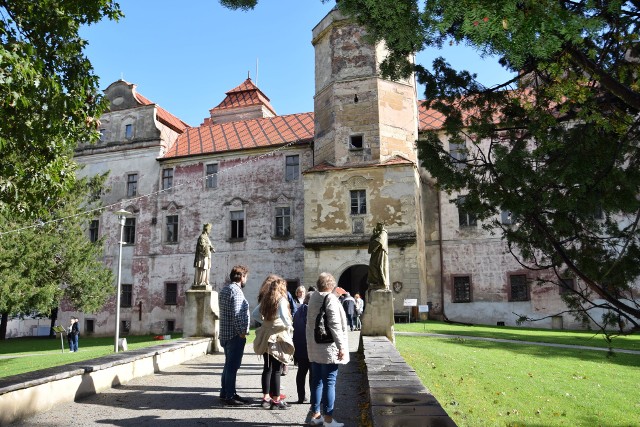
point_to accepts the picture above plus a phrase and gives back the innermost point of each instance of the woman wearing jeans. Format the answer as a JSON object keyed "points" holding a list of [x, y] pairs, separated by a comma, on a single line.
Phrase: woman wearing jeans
{"points": [[326, 357]]}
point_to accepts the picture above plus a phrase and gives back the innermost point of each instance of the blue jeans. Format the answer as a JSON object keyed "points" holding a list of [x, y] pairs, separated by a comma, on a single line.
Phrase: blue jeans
{"points": [[233, 352], [323, 387]]}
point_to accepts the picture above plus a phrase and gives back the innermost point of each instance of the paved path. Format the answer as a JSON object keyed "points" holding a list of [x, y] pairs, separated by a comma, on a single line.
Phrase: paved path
{"points": [[544, 344], [187, 395]]}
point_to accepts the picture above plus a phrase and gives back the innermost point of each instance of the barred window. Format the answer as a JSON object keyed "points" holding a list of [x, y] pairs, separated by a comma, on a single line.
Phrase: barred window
{"points": [[171, 293], [519, 287], [126, 295], [462, 289]]}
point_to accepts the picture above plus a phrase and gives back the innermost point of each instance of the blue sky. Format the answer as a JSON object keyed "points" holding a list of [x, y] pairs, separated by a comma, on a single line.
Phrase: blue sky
{"points": [[186, 55]]}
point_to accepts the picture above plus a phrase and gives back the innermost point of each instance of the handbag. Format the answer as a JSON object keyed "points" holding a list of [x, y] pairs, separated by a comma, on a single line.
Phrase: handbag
{"points": [[321, 333]]}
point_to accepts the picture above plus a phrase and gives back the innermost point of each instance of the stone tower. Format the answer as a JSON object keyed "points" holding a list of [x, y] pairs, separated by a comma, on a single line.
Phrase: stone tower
{"points": [[364, 164]]}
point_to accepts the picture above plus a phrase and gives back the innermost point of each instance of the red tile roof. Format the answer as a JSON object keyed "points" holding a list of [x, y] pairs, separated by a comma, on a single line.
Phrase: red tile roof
{"points": [[164, 116], [241, 135], [245, 95], [429, 119]]}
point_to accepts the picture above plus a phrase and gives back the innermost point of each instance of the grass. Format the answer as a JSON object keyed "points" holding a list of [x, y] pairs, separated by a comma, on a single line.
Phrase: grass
{"points": [[20, 355], [584, 338], [482, 383]]}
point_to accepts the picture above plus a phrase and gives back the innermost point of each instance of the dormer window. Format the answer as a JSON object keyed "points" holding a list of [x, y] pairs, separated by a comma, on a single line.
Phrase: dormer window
{"points": [[356, 142]]}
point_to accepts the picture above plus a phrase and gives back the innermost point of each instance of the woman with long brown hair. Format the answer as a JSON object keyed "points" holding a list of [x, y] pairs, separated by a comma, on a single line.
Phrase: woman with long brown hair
{"points": [[273, 338]]}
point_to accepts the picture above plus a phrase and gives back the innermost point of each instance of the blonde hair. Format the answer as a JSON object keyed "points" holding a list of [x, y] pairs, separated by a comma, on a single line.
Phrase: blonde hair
{"points": [[275, 288], [326, 282]]}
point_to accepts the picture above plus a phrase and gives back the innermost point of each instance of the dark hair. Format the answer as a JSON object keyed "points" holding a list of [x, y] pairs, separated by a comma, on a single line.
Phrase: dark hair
{"points": [[238, 272], [311, 289]]}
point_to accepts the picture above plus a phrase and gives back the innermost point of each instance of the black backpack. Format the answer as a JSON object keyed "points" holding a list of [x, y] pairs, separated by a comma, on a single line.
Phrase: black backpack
{"points": [[321, 333]]}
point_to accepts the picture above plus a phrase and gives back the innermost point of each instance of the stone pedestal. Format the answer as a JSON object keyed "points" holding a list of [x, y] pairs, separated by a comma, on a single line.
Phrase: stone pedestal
{"points": [[377, 319], [201, 314]]}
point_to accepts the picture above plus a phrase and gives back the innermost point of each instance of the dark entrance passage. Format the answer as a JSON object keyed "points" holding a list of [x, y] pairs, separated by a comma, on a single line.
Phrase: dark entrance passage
{"points": [[354, 280]]}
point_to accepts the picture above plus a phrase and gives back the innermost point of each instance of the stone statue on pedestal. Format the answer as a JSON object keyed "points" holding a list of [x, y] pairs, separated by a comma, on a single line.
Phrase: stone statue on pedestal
{"points": [[378, 275], [202, 262]]}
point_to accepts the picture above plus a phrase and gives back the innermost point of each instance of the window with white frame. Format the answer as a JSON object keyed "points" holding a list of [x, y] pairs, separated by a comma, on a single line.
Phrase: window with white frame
{"points": [[465, 219], [237, 224], [283, 221], [211, 175], [358, 202], [172, 229]]}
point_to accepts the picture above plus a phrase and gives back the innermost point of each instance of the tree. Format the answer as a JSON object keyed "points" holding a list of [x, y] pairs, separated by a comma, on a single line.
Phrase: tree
{"points": [[557, 145], [43, 265], [49, 98]]}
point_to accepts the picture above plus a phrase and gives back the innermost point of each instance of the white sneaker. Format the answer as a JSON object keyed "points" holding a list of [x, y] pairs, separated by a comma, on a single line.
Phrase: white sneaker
{"points": [[316, 421], [333, 423]]}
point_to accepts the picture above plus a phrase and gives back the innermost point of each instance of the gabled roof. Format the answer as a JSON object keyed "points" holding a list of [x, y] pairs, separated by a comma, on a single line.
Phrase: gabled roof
{"points": [[245, 95], [429, 119], [164, 116], [245, 134]]}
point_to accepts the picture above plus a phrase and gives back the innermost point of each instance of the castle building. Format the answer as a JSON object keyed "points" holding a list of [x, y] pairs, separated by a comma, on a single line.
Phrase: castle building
{"points": [[294, 195]]}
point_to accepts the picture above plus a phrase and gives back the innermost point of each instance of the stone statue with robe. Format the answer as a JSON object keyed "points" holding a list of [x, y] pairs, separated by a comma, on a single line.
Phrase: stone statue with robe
{"points": [[378, 275], [202, 262]]}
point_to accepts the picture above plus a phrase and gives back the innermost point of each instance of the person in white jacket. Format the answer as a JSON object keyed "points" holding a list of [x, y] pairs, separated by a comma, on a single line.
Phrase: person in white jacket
{"points": [[326, 357]]}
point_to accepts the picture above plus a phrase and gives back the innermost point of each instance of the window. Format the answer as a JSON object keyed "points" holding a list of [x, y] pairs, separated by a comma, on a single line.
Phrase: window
{"points": [[283, 222], [358, 202], [172, 229], [506, 217], [567, 286], [126, 293], [89, 326], [292, 168], [356, 142], [465, 219], [129, 231], [128, 131], [519, 289], [93, 230], [462, 289], [132, 184], [237, 224], [125, 326], [167, 178], [171, 293], [102, 134], [598, 213], [171, 325], [211, 180], [458, 151]]}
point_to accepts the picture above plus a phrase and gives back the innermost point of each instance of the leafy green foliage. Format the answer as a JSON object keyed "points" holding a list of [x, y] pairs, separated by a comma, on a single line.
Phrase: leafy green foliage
{"points": [[557, 146], [43, 266], [49, 98]]}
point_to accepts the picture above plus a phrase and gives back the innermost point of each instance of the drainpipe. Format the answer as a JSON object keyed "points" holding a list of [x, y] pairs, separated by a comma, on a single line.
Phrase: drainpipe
{"points": [[444, 316]]}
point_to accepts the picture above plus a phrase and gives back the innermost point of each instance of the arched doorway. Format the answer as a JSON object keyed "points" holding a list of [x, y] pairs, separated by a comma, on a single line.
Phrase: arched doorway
{"points": [[354, 279]]}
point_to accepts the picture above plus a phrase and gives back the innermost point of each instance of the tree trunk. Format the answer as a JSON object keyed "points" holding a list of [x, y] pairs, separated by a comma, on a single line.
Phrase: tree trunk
{"points": [[3, 326]]}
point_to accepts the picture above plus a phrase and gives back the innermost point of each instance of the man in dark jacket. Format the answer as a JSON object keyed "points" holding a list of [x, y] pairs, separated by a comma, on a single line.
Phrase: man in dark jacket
{"points": [[349, 305]]}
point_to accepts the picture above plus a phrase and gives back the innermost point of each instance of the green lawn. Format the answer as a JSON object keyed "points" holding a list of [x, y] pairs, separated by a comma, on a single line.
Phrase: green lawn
{"points": [[481, 383], [20, 355]]}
